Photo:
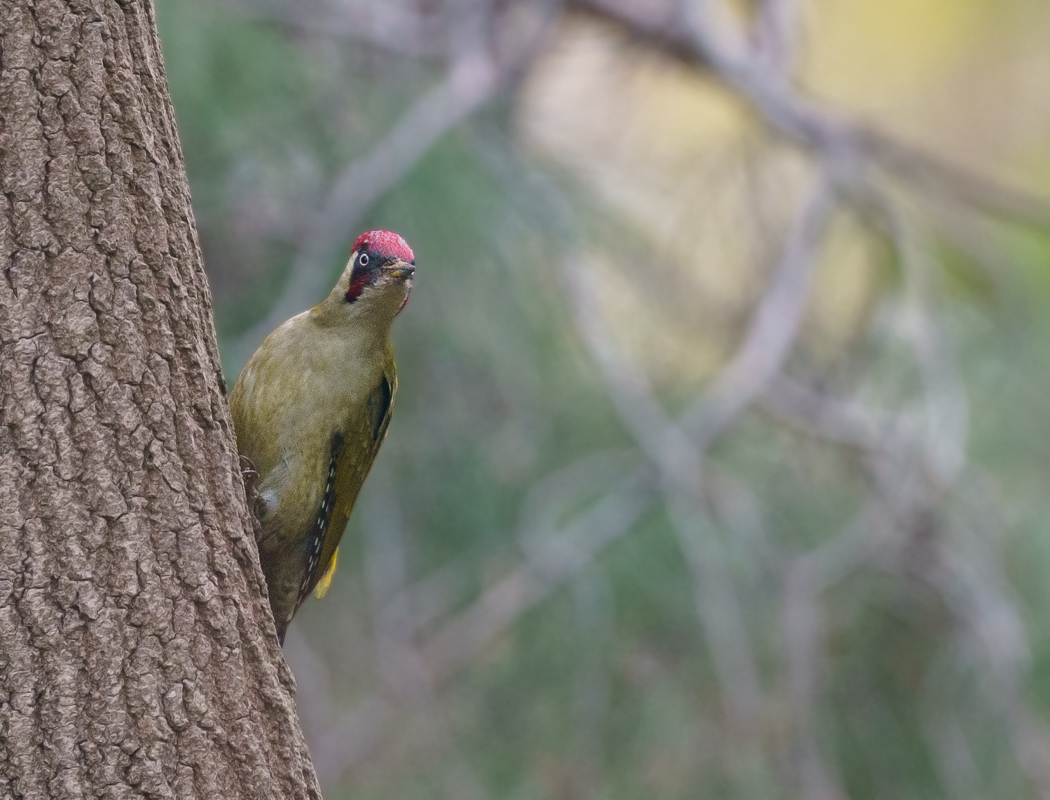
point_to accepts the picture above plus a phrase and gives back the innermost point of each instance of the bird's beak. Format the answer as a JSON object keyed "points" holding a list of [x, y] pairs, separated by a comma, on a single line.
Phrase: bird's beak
{"points": [[402, 269]]}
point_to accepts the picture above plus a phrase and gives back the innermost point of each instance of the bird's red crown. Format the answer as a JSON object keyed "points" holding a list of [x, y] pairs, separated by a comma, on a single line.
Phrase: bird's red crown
{"points": [[384, 244]]}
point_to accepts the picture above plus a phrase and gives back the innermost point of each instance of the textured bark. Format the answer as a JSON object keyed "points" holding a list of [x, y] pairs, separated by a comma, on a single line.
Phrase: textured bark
{"points": [[137, 651]]}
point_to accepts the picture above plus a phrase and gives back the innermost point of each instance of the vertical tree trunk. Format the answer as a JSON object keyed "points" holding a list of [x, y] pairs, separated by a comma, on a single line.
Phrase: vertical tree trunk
{"points": [[137, 652]]}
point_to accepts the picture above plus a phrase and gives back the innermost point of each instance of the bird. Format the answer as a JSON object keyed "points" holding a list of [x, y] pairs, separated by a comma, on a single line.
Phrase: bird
{"points": [[310, 409]]}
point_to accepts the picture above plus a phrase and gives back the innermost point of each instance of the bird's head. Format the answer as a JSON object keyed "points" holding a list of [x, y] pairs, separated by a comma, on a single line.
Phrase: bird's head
{"points": [[378, 277]]}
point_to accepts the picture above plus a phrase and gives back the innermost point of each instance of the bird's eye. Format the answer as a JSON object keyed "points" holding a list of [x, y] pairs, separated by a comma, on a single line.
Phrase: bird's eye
{"points": [[363, 259]]}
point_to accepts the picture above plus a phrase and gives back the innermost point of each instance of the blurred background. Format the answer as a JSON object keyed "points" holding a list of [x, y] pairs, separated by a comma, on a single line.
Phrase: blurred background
{"points": [[719, 467]]}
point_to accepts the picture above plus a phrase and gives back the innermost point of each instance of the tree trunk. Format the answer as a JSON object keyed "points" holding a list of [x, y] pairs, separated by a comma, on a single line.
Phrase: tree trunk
{"points": [[137, 650]]}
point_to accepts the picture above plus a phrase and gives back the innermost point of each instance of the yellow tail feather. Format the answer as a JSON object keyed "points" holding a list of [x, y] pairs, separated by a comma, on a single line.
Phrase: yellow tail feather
{"points": [[326, 580]]}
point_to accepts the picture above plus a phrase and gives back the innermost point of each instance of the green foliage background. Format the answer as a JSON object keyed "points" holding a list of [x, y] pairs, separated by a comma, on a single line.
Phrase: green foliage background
{"points": [[606, 688]]}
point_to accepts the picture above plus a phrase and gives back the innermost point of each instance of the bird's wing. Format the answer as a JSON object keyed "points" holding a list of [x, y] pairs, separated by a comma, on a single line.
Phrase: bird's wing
{"points": [[352, 456]]}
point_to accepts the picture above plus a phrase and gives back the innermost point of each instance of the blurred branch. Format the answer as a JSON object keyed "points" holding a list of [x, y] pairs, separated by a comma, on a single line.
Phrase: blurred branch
{"points": [[953, 184], [773, 330], [945, 405], [697, 32], [561, 557], [434, 597], [399, 27], [821, 416], [776, 33], [802, 632]]}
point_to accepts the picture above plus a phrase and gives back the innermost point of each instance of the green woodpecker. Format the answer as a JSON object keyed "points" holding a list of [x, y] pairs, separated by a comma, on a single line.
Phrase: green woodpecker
{"points": [[311, 408]]}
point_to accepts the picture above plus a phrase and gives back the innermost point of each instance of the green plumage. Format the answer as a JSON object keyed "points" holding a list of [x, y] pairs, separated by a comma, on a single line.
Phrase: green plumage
{"points": [[311, 408]]}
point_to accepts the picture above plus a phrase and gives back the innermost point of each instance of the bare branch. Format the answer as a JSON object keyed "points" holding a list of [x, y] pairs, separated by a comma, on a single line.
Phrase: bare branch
{"points": [[696, 33], [834, 420], [720, 613], [775, 33], [774, 327], [401, 28], [802, 633], [461, 639]]}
